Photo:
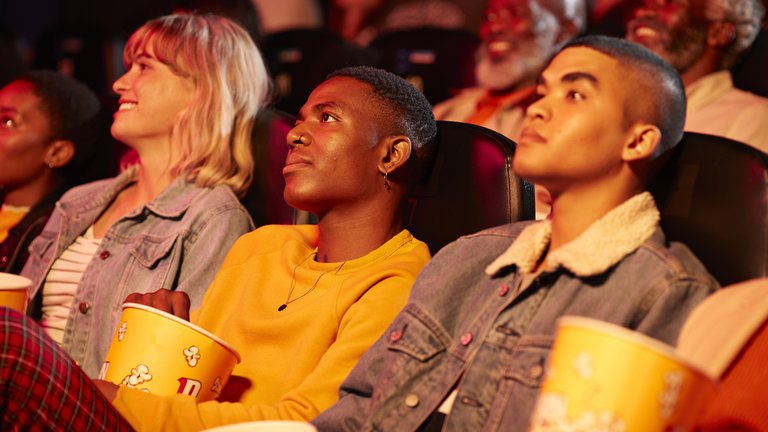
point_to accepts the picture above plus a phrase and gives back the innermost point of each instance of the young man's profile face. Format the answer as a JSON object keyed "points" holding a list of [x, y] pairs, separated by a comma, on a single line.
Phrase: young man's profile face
{"points": [[336, 161], [574, 134]]}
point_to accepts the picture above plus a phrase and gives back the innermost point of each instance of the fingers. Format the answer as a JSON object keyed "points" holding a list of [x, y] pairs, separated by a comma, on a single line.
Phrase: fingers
{"points": [[173, 302]]}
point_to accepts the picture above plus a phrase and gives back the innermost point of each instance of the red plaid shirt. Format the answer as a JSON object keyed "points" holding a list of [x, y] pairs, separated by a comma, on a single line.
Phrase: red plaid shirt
{"points": [[41, 388]]}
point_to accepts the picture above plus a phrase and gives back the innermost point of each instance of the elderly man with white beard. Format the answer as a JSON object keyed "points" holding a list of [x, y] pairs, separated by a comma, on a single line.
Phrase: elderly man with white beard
{"points": [[518, 38], [703, 39]]}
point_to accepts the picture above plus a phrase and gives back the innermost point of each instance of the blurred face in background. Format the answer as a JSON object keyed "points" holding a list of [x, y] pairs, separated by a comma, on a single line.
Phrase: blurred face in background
{"points": [[518, 37], [25, 135], [674, 29]]}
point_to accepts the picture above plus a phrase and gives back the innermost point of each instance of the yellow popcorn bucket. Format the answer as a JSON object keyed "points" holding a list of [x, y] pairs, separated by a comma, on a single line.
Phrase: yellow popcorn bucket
{"points": [[13, 291], [604, 377], [159, 353]]}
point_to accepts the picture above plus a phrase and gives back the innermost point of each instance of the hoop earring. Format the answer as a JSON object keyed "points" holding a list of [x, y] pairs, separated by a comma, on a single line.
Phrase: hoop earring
{"points": [[387, 186]]}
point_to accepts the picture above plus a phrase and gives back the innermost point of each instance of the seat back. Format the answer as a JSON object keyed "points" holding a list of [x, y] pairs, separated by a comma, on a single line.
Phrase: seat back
{"points": [[299, 60], [437, 61], [712, 197], [264, 199], [471, 186]]}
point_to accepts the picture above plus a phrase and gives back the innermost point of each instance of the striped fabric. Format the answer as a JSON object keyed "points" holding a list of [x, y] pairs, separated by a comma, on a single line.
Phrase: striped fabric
{"points": [[61, 283]]}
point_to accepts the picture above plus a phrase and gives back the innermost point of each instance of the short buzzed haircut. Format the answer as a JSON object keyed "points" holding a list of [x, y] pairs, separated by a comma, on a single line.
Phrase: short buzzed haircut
{"points": [[655, 91], [408, 113]]}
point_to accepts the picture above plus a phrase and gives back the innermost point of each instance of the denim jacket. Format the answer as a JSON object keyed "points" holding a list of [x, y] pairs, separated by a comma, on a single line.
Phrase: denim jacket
{"points": [[177, 241], [480, 321]]}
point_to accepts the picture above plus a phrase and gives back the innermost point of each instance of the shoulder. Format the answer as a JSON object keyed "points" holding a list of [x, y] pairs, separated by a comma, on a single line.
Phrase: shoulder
{"points": [[271, 238], [673, 259], [87, 190], [488, 243]]}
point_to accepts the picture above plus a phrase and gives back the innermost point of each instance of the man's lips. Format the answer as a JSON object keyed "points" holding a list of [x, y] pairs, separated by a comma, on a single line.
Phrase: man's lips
{"points": [[530, 136], [643, 30], [293, 162]]}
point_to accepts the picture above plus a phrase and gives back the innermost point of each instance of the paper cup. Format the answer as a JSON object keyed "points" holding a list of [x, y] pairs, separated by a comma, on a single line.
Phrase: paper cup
{"points": [[13, 291], [266, 426], [601, 376], [159, 353]]}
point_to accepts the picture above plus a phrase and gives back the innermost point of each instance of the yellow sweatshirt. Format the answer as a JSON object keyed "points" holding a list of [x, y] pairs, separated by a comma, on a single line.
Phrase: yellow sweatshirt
{"points": [[293, 361]]}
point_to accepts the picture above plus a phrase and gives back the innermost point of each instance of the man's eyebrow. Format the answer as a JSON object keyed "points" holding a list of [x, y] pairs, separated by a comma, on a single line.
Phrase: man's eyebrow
{"points": [[580, 76], [320, 107]]}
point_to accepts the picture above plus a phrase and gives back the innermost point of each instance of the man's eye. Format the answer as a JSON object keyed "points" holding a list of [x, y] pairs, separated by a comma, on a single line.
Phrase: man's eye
{"points": [[7, 122], [574, 95], [325, 117]]}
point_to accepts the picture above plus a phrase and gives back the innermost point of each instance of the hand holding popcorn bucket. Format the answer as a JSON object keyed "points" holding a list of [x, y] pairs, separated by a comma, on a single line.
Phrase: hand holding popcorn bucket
{"points": [[13, 291], [159, 353], [604, 377]]}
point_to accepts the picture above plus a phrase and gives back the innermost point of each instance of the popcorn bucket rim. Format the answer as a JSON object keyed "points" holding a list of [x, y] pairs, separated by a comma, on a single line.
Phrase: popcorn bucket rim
{"points": [[185, 323], [626, 334]]}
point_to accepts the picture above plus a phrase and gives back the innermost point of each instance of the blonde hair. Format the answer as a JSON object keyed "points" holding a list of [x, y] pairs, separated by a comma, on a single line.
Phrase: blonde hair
{"points": [[212, 138]]}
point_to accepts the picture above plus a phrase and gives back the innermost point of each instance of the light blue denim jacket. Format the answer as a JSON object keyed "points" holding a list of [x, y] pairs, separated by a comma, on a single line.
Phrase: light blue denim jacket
{"points": [[177, 241], [479, 319]]}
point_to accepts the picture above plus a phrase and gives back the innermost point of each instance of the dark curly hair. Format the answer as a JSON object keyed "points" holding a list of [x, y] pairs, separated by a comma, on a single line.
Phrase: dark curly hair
{"points": [[407, 112], [75, 114]]}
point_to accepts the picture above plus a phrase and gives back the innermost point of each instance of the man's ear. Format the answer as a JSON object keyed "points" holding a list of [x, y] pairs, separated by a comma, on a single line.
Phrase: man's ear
{"points": [[397, 151], [643, 143], [721, 33], [60, 153]]}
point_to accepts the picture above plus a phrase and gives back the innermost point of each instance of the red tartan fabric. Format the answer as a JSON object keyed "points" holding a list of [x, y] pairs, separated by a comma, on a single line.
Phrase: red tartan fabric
{"points": [[41, 388]]}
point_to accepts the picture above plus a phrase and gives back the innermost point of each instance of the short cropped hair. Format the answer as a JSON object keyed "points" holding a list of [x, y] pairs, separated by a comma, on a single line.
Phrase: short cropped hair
{"points": [[75, 114], [745, 15], [213, 136], [407, 111], [656, 91]]}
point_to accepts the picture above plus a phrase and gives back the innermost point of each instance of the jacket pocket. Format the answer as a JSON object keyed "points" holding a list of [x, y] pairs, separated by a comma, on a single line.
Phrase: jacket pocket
{"points": [[41, 244], [149, 251], [411, 336], [529, 360]]}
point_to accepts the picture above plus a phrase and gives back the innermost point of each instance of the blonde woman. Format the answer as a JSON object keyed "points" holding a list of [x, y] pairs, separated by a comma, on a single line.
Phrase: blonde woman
{"points": [[193, 86]]}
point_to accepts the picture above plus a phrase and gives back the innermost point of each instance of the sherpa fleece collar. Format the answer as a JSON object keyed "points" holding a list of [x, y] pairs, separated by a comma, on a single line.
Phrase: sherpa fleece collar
{"points": [[609, 239]]}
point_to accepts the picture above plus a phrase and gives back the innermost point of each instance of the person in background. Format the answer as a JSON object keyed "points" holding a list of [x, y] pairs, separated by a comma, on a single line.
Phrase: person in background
{"points": [[517, 39], [193, 87], [300, 303], [469, 349], [727, 337], [703, 39], [53, 136]]}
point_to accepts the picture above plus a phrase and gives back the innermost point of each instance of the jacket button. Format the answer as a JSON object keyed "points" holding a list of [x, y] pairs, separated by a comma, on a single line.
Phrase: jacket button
{"points": [[411, 401], [466, 338], [536, 371], [395, 336], [84, 307], [104, 255], [503, 290]]}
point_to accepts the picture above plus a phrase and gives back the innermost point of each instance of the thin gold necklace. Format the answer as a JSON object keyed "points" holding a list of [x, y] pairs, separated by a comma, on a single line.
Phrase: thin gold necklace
{"points": [[288, 299]]}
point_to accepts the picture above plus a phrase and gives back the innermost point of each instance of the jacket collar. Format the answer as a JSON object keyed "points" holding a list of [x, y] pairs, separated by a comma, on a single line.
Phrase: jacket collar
{"points": [[609, 239], [172, 202]]}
